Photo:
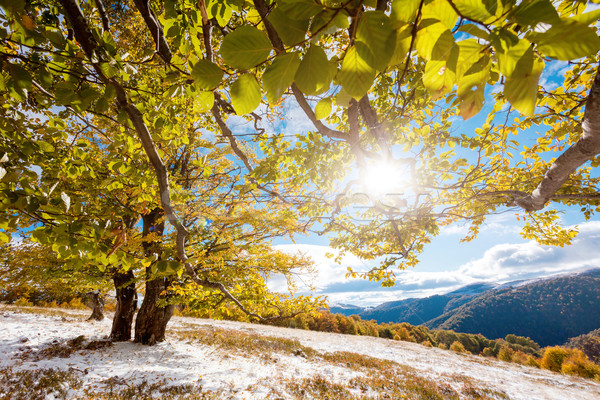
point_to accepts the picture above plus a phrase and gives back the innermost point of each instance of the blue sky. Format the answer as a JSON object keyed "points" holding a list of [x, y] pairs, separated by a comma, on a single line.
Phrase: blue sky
{"points": [[498, 254]]}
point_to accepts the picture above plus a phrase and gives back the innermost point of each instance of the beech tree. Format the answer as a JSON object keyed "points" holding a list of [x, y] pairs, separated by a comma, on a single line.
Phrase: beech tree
{"points": [[141, 86]]}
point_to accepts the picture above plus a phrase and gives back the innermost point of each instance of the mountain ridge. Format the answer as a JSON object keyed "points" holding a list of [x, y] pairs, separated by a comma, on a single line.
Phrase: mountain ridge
{"points": [[549, 309]]}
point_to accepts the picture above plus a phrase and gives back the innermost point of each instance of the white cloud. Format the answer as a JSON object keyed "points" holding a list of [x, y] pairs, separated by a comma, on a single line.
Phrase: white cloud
{"points": [[500, 263], [327, 270]]}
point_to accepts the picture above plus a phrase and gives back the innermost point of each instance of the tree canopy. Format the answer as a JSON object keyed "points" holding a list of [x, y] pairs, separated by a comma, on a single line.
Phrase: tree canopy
{"points": [[175, 112]]}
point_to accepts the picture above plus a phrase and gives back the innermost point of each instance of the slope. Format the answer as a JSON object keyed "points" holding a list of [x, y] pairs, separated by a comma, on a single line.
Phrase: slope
{"points": [[549, 310], [205, 359]]}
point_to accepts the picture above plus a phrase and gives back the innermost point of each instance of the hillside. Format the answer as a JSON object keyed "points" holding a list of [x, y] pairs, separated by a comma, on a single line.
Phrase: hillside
{"points": [[417, 311], [206, 359], [549, 311]]}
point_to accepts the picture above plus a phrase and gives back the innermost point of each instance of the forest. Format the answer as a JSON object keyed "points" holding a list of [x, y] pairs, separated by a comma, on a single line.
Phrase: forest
{"points": [[145, 145]]}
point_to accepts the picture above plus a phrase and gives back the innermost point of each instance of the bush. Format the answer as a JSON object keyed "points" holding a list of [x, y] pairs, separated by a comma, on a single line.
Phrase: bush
{"points": [[533, 362], [488, 352], [520, 358], [458, 347], [427, 343], [578, 364], [442, 346], [23, 302], [522, 341], [553, 358], [506, 353], [402, 334], [76, 303]]}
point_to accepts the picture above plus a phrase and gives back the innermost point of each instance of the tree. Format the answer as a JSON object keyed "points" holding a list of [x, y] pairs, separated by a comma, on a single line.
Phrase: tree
{"points": [[381, 83]]}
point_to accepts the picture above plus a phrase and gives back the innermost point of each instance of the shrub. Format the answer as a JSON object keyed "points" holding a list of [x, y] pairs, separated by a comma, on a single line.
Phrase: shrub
{"points": [[522, 341], [533, 362], [458, 347], [578, 364], [427, 343], [76, 303], [402, 334], [442, 346], [488, 352], [23, 302], [506, 353], [553, 358], [520, 358]]}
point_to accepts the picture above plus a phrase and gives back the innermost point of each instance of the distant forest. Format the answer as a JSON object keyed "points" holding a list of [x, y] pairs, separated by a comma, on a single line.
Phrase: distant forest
{"points": [[549, 311]]}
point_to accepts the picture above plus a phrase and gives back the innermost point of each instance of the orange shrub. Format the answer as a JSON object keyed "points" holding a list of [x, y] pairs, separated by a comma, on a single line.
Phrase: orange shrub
{"points": [[553, 358]]}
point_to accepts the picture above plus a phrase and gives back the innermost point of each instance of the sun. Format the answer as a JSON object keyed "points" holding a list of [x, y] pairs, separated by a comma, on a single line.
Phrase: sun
{"points": [[381, 178]]}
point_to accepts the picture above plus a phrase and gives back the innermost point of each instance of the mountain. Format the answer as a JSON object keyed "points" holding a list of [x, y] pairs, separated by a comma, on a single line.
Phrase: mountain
{"points": [[346, 309], [415, 311], [549, 311]]}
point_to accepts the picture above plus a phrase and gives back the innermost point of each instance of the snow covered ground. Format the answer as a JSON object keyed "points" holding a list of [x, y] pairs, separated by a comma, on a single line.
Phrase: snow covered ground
{"points": [[246, 361]]}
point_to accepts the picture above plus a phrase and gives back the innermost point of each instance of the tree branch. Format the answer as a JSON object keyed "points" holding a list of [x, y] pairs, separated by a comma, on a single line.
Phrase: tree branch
{"points": [[162, 47], [277, 43], [102, 12], [584, 150]]}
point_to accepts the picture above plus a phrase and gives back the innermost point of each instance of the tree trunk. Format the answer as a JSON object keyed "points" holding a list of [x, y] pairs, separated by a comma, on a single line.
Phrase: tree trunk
{"points": [[152, 319], [96, 303], [127, 300]]}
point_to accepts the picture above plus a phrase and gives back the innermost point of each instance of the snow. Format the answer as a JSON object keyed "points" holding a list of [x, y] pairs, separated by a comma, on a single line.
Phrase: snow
{"points": [[253, 375]]}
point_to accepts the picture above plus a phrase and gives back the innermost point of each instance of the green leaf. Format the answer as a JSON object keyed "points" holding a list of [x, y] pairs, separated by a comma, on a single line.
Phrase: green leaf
{"points": [[207, 75], [203, 101], [220, 10], [314, 71], [55, 36], [108, 70], [4, 237], [567, 41], [474, 30], [403, 39], [245, 94], [280, 74], [522, 86], [342, 99], [479, 10], [65, 93], [476, 76], [440, 10], [323, 108], [532, 12], [438, 78], [470, 51], [586, 18], [434, 40], [167, 267], [45, 146], [300, 9], [291, 31], [509, 50], [375, 39], [356, 76], [403, 12], [20, 75], [245, 47]]}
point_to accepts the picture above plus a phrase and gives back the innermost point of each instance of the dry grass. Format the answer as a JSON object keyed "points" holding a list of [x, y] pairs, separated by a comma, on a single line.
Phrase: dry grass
{"points": [[374, 378], [62, 349], [37, 384]]}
